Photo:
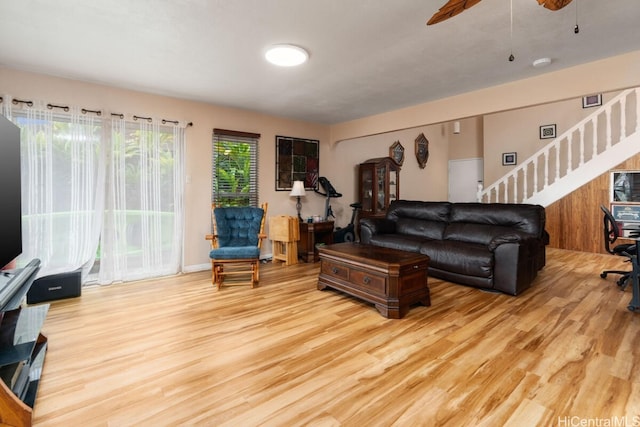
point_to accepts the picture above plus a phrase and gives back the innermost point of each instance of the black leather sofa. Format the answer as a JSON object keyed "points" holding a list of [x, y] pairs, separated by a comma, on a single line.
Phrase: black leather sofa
{"points": [[492, 246]]}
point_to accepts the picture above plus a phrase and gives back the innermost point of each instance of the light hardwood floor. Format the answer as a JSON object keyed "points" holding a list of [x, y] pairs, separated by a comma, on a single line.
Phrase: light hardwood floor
{"points": [[177, 352]]}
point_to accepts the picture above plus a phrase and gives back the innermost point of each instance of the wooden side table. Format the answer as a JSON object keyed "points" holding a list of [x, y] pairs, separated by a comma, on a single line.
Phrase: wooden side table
{"points": [[312, 233], [284, 234]]}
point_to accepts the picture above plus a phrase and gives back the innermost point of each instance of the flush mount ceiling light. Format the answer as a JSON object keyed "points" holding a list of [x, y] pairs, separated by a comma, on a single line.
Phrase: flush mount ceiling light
{"points": [[542, 62], [286, 55]]}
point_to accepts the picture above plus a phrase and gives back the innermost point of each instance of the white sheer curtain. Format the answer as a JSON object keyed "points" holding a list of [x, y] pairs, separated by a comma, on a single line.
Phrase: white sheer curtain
{"points": [[143, 224], [99, 192], [62, 185]]}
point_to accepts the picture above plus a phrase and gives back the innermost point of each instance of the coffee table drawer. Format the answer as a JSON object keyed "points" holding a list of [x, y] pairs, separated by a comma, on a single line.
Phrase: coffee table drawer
{"points": [[335, 270], [368, 281]]}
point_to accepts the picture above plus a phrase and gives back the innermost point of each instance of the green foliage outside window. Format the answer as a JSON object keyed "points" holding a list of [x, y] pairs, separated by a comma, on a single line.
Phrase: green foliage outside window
{"points": [[232, 183]]}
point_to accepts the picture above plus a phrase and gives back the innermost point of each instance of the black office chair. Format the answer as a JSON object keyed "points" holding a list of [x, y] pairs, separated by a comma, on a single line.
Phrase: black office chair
{"points": [[628, 250]]}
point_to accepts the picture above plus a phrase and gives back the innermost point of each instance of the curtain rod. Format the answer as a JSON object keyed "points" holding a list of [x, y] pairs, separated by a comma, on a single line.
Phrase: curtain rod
{"points": [[66, 109], [62, 107], [19, 101], [175, 122], [96, 112]]}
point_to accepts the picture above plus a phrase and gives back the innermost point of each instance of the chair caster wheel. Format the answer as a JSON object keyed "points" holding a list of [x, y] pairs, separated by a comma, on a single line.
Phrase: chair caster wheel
{"points": [[603, 275], [632, 308]]}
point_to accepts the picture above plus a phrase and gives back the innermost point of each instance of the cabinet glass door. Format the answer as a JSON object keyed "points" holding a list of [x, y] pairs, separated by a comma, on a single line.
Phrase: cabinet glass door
{"points": [[367, 190], [380, 200], [393, 185]]}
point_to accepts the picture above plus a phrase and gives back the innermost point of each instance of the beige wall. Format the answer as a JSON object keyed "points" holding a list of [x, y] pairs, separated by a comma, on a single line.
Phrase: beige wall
{"points": [[205, 117], [342, 146], [430, 183], [606, 75], [519, 131], [469, 143], [415, 183], [379, 131]]}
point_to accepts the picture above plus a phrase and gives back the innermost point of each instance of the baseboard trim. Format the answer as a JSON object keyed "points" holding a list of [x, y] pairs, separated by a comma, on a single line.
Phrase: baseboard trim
{"points": [[196, 268]]}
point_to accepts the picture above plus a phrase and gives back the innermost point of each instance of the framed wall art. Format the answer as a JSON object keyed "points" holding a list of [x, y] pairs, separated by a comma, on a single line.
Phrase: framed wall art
{"points": [[592, 100], [547, 131], [509, 159], [297, 159], [396, 152], [422, 150]]}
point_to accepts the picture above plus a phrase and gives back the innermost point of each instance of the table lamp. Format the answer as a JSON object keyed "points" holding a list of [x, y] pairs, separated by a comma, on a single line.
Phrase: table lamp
{"points": [[298, 191]]}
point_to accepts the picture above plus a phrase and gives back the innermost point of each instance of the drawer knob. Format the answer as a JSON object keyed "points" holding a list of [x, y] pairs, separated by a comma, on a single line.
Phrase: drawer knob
{"points": [[366, 280], [334, 270]]}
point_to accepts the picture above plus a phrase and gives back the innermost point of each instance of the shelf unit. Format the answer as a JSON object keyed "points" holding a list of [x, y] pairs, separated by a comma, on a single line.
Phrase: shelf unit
{"points": [[379, 185], [22, 353]]}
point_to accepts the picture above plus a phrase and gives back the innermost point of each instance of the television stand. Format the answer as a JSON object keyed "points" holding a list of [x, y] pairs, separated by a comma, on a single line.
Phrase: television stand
{"points": [[14, 284], [22, 347]]}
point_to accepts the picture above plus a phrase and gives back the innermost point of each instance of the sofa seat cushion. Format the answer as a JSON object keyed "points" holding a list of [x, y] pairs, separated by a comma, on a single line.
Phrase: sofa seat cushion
{"points": [[398, 241], [466, 259]]}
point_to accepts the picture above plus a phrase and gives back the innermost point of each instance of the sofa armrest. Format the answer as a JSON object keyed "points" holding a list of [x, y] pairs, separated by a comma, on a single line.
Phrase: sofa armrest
{"points": [[372, 226], [517, 258], [502, 239]]}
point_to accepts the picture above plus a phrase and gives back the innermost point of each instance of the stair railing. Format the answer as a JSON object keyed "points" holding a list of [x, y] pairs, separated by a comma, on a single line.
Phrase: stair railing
{"points": [[558, 158]]}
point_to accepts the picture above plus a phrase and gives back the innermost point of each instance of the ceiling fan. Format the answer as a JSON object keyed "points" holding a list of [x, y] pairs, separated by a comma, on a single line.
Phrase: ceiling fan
{"points": [[454, 7]]}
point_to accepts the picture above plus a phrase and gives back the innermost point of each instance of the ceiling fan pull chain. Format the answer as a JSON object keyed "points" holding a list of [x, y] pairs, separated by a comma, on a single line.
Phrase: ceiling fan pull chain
{"points": [[511, 57], [576, 29]]}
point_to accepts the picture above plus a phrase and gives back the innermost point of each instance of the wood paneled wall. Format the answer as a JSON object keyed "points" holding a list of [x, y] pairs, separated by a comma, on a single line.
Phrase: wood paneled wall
{"points": [[575, 222]]}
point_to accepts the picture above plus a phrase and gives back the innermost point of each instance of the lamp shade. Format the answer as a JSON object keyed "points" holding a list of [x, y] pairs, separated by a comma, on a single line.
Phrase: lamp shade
{"points": [[298, 189]]}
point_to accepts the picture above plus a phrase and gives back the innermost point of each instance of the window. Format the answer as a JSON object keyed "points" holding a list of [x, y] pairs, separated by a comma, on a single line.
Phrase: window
{"points": [[142, 231], [62, 187], [235, 168], [102, 194]]}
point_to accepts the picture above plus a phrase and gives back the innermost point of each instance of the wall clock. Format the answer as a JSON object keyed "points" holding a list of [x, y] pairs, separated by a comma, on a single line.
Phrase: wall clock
{"points": [[396, 152], [422, 150]]}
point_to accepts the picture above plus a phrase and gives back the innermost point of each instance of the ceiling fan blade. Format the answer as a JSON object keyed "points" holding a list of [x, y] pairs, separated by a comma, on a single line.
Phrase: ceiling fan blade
{"points": [[554, 4], [452, 8]]}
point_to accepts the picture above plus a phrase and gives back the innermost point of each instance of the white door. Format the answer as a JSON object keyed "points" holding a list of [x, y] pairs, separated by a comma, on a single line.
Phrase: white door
{"points": [[464, 177]]}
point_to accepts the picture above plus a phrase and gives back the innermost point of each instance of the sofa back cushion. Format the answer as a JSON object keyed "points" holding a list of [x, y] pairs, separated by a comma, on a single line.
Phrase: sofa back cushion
{"points": [[421, 228], [475, 233], [416, 218], [525, 218]]}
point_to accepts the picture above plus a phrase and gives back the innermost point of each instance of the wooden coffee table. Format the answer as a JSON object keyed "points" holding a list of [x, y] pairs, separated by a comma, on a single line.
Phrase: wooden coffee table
{"points": [[391, 279]]}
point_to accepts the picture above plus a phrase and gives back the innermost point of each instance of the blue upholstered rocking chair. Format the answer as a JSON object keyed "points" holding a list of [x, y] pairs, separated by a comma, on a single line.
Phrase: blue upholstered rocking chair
{"points": [[236, 241]]}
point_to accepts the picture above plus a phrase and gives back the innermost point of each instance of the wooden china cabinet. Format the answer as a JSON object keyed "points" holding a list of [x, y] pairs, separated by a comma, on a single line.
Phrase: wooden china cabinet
{"points": [[379, 185]]}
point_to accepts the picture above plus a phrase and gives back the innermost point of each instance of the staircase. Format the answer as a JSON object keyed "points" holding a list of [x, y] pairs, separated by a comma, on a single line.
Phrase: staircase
{"points": [[592, 147]]}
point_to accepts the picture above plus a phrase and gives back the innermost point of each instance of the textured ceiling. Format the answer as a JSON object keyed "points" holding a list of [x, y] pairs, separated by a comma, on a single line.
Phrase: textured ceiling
{"points": [[366, 56]]}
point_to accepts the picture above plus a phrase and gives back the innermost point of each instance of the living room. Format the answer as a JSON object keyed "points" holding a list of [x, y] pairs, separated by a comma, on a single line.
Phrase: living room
{"points": [[342, 146]]}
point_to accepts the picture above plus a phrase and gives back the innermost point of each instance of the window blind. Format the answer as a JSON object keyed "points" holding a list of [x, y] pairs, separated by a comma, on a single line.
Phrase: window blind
{"points": [[234, 168]]}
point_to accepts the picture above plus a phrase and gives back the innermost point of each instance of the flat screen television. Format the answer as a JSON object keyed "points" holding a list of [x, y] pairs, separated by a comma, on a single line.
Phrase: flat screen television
{"points": [[625, 186], [10, 205]]}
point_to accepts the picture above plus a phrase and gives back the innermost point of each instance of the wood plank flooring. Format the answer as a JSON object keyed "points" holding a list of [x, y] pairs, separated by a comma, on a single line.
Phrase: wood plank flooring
{"points": [[175, 351]]}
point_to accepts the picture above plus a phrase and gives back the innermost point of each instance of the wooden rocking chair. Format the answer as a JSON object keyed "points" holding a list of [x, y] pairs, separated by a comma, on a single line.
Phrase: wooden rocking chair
{"points": [[236, 241]]}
